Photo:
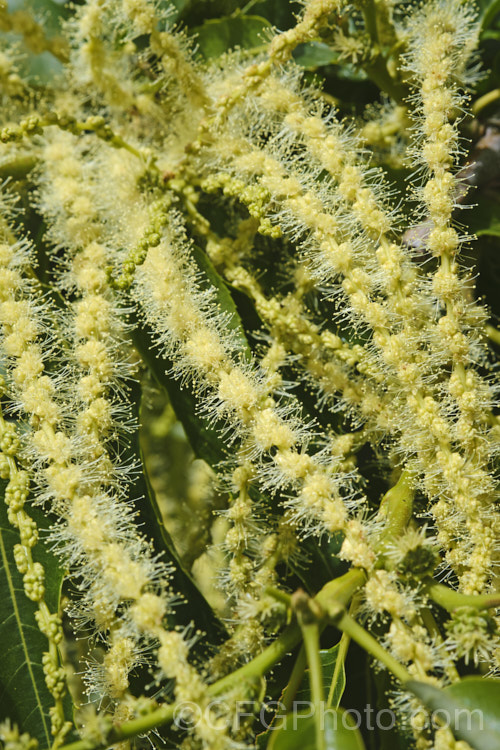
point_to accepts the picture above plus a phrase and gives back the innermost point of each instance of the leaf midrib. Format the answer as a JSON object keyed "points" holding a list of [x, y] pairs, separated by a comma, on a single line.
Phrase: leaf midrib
{"points": [[17, 616]]}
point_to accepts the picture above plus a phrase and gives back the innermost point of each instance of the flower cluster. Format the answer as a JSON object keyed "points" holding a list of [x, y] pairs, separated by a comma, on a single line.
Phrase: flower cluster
{"points": [[216, 229]]}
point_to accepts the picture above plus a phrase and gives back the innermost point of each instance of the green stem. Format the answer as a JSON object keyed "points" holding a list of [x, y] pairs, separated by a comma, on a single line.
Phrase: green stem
{"points": [[129, 729], [396, 506], [493, 334], [294, 681], [489, 14], [341, 589], [379, 74], [395, 511], [262, 663], [484, 101], [279, 595], [310, 634], [101, 130], [17, 168], [165, 714], [370, 17], [450, 599], [339, 662], [115, 140], [377, 68], [290, 691], [348, 625]]}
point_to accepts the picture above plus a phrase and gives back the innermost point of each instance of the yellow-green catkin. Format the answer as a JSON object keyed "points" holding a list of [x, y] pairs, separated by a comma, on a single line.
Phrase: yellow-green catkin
{"points": [[15, 329], [326, 358], [97, 536], [123, 156], [202, 348], [440, 42], [398, 320]]}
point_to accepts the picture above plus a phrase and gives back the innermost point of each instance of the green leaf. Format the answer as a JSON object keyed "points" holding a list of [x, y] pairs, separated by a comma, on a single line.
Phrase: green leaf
{"points": [[484, 218], [489, 12], [334, 685], [332, 692], [471, 708], [48, 13], [194, 608], [204, 438], [281, 14], [314, 55], [219, 35], [298, 732], [379, 688], [40, 68], [24, 697], [209, 278], [325, 563], [179, 7], [195, 13]]}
